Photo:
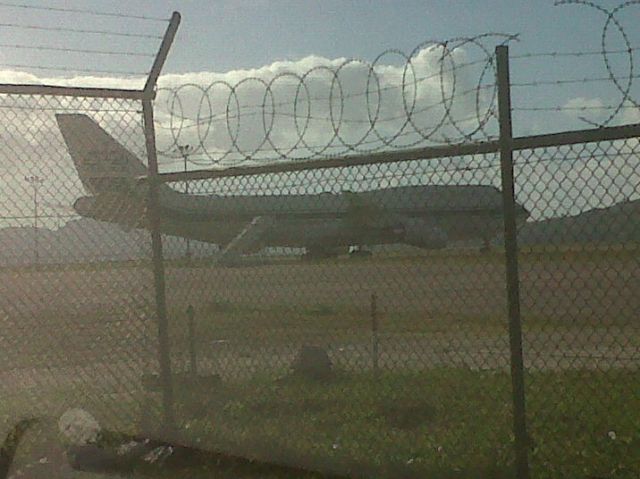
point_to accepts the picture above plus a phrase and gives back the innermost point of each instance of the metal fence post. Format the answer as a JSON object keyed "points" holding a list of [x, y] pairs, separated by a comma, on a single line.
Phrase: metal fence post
{"points": [[164, 353], [375, 341], [155, 223], [511, 258], [193, 361]]}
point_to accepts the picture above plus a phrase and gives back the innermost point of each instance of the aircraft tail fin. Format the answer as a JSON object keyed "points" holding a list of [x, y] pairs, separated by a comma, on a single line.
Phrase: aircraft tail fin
{"points": [[103, 164]]}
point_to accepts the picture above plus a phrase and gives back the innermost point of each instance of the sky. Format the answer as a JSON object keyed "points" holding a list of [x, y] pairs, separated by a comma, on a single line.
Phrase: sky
{"points": [[222, 35], [245, 34]]}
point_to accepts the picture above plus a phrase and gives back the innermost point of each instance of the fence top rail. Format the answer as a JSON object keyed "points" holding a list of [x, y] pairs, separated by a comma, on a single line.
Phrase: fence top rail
{"points": [[57, 90], [448, 151], [335, 162]]}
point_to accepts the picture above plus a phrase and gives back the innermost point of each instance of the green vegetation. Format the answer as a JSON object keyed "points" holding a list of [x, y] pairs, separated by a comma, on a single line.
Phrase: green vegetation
{"points": [[445, 423], [442, 423]]}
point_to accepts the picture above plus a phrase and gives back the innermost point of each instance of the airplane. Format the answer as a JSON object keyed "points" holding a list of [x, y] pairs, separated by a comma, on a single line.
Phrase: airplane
{"points": [[325, 224]]}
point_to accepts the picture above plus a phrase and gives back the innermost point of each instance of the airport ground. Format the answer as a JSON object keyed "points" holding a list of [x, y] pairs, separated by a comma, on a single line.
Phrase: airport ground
{"points": [[86, 334]]}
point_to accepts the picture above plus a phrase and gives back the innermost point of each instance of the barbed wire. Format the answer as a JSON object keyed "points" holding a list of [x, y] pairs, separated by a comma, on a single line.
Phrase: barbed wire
{"points": [[77, 46], [571, 81], [79, 30], [253, 110], [331, 150], [75, 50], [339, 149], [612, 21], [420, 106], [574, 108], [82, 11], [72, 69], [570, 54], [393, 104], [258, 106], [81, 69]]}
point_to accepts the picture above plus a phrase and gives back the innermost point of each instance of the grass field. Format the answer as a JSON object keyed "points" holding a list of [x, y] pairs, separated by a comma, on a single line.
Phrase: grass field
{"points": [[445, 423], [441, 405]]}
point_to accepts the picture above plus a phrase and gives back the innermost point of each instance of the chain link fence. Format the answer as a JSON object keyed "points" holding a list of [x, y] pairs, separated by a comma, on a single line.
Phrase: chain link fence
{"points": [[77, 295], [579, 306], [377, 361], [346, 317]]}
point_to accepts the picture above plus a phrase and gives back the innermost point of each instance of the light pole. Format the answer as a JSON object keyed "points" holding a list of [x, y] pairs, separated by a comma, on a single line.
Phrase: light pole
{"points": [[35, 182], [184, 151]]}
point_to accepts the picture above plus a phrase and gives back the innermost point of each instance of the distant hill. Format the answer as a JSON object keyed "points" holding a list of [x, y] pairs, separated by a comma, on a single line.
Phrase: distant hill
{"points": [[616, 224], [87, 240]]}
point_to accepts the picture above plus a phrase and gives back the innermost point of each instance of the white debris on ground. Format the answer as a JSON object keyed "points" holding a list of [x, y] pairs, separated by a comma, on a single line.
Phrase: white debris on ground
{"points": [[79, 427]]}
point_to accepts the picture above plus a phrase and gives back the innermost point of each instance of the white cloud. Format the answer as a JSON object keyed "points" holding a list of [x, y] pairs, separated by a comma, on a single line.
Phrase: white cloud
{"points": [[19, 77], [312, 106], [594, 110], [630, 114], [589, 110], [316, 106], [583, 103]]}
